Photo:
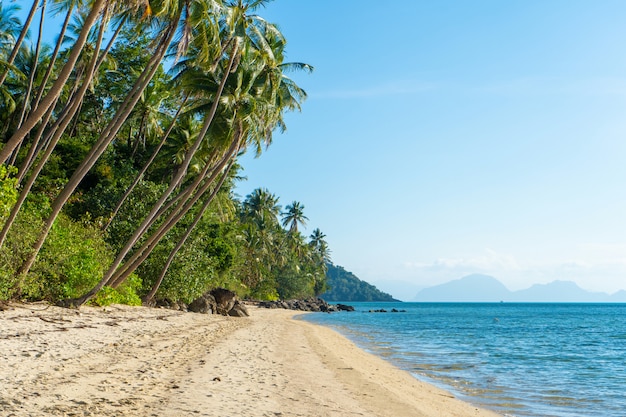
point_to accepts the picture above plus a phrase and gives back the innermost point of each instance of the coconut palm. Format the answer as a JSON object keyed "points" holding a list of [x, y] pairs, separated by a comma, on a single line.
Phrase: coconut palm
{"points": [[294, 216], [242, 33], [33, 71], [166, 34], [177, 10], [261, 207], [54, 92], [63, 123]]}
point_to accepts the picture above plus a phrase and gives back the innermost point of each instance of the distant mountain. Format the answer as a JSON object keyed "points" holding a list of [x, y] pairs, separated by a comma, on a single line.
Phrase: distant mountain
{"points": [[483, 288], [472, 288], [345, 286], [558, 291]]}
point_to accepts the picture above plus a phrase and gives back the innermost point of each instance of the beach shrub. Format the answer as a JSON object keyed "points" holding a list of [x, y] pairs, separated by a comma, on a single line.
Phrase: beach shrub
{"points": [[71, 262], [8, 192], [17, 246], [126, 293]]}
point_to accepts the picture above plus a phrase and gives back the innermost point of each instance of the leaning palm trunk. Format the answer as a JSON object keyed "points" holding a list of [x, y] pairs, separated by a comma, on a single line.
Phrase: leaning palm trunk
{"points": [[31, 80], [60, 128], [18, 42], [50, 98], [173, 184], [37, 146], [100, 146], [53, 59], [146, 249], [185, 236], [147, 164], [174, 217]]}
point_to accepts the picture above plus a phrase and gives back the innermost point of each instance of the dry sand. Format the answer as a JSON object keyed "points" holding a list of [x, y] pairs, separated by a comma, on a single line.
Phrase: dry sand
{"points": [[135, 361]]}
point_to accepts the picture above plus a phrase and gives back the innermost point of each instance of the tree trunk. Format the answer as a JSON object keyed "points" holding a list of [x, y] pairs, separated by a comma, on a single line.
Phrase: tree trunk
{"points": [[33, 72], [147, 164], [100, 146], [31, 79], [58, 85], [64, 122], [182, 241], [142, 253], [181, 173], [53, 58]]}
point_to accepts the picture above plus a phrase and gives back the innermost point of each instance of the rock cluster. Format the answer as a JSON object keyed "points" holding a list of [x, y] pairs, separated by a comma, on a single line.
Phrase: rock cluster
{"points": [[309, 304], [219, 301], [382, 310]]}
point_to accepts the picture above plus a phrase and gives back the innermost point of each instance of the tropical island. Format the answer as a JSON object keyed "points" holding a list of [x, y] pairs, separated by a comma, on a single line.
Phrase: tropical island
{"points": [[120, 138]]}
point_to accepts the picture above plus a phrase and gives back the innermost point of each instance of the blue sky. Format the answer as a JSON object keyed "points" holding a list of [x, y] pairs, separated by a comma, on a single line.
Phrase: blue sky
{"points": [[443, 138], [454, 137]]}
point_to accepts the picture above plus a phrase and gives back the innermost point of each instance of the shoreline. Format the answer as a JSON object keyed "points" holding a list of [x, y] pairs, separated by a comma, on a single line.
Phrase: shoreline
{"points": [[139, 361]]}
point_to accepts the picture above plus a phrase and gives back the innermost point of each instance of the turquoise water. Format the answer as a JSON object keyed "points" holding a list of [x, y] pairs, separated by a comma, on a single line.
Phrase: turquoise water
{"points": [[518, 359]]}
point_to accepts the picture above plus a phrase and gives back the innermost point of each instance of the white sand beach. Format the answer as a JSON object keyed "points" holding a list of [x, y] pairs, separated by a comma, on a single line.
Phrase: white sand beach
{"points": [[136, 361]]}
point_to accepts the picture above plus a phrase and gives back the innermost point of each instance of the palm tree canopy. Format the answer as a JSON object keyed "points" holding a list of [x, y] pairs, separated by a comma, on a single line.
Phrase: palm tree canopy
{"points": [[294, 216]]}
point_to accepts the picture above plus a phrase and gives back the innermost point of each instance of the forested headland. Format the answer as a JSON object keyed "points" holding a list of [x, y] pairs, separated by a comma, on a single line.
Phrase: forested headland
{"points": [[345, 286], [119, 157]]}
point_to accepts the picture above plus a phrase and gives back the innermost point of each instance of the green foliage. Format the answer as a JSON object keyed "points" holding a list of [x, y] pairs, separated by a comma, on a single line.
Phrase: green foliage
{"points": [[124, 294], [247, 250], [18, 246], [71, 262], [294, 283], [8, 193], [345, 286]]}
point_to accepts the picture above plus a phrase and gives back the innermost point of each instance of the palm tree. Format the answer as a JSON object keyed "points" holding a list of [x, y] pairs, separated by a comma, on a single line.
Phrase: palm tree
{"points": [[33, 73], [294, 216], [63, 123], [57, 8], [320, 258], [54, 92], [319, 245], [127, 107], [109, 132], [261, 207], [253, 119]]}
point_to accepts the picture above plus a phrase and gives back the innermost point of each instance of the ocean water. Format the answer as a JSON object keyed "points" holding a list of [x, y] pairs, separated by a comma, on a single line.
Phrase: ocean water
{"points": [[518, 359]]}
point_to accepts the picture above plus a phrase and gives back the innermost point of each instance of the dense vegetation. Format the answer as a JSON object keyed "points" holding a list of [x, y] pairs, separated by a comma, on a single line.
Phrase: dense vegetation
{"points": [[345, 286], [119, 154]]}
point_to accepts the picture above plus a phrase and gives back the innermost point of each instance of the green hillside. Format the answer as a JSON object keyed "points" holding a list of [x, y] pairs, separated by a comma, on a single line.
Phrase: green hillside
{"points": [[345, 286]]}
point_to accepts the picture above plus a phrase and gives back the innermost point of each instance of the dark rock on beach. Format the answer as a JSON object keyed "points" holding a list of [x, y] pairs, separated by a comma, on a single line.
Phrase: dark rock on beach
{"points": [[239, 310], [219, 301], [206, 304], [309, 304], [225, 300]]}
